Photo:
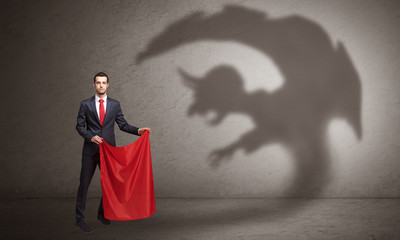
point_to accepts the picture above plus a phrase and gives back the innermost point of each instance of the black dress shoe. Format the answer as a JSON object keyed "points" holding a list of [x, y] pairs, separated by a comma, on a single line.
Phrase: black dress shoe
{"points": [[103, 220], [82, 226]]}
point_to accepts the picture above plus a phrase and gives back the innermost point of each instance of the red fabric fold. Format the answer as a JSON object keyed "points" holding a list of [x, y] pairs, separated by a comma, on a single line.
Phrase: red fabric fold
{"points": [[126, 177]]}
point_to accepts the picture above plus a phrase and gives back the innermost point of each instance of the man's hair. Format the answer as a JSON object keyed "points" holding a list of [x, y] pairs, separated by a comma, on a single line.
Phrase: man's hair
{"points": [[100, 74]]}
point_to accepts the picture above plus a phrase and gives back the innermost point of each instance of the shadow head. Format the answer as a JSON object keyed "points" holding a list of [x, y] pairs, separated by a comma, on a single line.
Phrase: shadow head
{"points": [[219, 91]]}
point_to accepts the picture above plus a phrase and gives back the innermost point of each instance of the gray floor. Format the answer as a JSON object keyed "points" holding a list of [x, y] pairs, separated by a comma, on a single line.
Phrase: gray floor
{"points": [[188, 218]]}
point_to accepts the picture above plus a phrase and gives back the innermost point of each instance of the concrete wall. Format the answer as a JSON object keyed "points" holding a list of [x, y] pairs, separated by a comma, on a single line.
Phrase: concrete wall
{"points": [[245, 98]]}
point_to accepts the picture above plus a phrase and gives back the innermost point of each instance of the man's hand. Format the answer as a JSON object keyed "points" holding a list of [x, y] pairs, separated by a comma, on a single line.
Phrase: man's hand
{"points": [[142, 130], [96, 139]]}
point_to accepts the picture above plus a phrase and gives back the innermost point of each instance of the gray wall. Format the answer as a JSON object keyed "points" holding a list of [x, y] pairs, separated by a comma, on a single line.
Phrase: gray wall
{"points": [[245, 98]]}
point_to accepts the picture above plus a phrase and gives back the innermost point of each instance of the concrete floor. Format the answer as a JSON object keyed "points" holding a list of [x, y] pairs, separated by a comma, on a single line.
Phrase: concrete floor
{"points": [[194, 218]]}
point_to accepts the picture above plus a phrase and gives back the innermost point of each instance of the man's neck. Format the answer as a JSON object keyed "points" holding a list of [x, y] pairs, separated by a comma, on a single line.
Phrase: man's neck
{"points": [[101, 96]]}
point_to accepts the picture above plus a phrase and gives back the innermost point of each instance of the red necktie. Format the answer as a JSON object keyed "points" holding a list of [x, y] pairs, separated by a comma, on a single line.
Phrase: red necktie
{"points": [[101, 110]]}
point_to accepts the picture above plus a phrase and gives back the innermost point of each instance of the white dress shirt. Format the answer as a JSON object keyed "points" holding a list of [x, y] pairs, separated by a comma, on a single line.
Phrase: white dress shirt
{"points": [[98, 104]]}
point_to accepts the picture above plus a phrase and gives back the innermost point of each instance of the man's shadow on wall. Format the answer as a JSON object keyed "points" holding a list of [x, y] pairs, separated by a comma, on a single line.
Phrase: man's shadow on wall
{"points": [[320, 84]]}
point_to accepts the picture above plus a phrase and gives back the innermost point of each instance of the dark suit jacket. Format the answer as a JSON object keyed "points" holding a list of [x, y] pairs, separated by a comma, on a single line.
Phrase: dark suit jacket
{"points": [[88, 124]]}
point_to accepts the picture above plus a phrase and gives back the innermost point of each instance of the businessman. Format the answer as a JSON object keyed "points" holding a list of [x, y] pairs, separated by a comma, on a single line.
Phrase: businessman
{"points": [[95, 123]]}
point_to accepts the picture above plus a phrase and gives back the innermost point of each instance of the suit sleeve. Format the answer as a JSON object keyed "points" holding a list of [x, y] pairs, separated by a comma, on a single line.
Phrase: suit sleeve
{"points": [[123, 124], [80, 124]]}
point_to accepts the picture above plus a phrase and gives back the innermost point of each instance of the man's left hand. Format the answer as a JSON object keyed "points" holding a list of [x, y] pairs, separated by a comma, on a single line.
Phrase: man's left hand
{"points": [[142, 130]]}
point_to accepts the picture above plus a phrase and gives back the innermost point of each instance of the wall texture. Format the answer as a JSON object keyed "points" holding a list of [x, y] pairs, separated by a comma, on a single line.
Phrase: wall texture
{"points": [[245, 98]]}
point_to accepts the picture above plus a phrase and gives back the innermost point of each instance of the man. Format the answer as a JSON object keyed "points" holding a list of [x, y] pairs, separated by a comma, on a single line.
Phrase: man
{"points": [[95, 122]]}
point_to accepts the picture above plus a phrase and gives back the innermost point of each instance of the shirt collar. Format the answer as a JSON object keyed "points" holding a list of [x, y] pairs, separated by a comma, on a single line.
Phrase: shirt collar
{"points": [[97, 98]]}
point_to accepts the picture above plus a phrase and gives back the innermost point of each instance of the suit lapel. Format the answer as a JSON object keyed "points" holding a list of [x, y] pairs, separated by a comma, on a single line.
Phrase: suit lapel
{"points": [[94, 111], [108, 108]]}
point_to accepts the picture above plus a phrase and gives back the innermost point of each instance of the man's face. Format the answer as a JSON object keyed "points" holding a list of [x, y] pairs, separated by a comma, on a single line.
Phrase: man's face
{"points": [[101, 85]]}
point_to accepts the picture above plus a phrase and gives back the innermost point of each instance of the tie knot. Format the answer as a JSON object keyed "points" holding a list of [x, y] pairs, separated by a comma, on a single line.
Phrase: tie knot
{"points": [[101, 100]]}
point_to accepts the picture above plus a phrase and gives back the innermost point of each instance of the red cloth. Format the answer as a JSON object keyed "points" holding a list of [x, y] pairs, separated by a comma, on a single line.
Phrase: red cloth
{"points": [[127, 180]]}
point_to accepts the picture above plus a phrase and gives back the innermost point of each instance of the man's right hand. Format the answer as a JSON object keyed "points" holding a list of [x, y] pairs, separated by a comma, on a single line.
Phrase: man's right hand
{"points": [[96, 139]]}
